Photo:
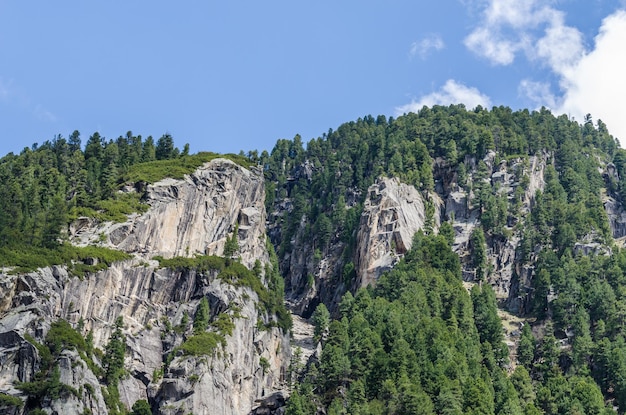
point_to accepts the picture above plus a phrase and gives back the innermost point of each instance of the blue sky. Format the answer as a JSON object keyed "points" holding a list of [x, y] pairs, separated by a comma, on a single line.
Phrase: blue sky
{"points": [[230, 76]]}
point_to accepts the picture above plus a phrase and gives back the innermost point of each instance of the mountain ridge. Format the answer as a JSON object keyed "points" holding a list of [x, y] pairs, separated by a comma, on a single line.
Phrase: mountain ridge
{"points": [[368, 221]]}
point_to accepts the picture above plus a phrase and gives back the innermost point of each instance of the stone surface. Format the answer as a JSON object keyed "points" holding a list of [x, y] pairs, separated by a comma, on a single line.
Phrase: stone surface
{"points": [[393, 212], [192, 216], [186, 217]]}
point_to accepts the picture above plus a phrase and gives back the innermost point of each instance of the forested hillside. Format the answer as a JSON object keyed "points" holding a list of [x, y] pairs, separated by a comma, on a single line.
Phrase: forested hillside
{"points": [[47, 186], [571, 350], [541, 234]]}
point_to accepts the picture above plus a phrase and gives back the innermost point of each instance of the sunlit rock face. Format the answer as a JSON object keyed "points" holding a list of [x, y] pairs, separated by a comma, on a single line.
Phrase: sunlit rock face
{"points": [[186, 218]]}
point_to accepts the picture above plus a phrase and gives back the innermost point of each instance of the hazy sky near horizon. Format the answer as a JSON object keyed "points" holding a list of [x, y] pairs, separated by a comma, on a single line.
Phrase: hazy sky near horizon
{"points": [[229, 76]]}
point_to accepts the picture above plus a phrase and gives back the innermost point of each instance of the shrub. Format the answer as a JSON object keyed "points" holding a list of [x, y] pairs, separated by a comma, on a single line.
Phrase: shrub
{"points": [[9, 400], [153, 171], [202, 344]]}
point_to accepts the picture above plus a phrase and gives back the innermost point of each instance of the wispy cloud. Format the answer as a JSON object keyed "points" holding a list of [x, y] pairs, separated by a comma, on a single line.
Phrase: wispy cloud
{"points": [[452, 92], [12, 96], [423, 47], [510, 27], [43, 114], [4, 90], [539, 93]]}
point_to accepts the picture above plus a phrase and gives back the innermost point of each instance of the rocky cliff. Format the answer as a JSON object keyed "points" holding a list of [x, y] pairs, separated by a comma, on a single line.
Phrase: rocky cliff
{"points": [[394, 211], [186, 217]]}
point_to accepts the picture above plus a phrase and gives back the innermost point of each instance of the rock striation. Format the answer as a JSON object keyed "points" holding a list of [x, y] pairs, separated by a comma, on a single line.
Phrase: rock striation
{"points": [[393, 212], [186, 217], [192, 216]]}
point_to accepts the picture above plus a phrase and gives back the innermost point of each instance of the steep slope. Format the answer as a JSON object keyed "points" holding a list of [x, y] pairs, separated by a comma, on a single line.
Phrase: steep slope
{"points": [[530, 203], [166, 360]]}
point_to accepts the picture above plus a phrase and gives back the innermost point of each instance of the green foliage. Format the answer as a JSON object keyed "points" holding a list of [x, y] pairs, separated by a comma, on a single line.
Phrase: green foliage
{"points": [[231, 246], [62, 336], [234, 273], [201, 344], [177, 168], [47, 186], [10, 401], [320, 319], [199, 264], [111, 396], [116, 208], [487, 321], [526, 347], [201, 318], [411, 342], [224, 324], [30, 258], [264, 363], [447, 231], [115, 350], [141, 407], [46, 382], [478, 248], [113, 364]]}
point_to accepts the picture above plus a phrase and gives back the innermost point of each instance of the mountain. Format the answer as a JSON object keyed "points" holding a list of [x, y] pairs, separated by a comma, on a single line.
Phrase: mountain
{"points": [[450, 262], [173, 323]]}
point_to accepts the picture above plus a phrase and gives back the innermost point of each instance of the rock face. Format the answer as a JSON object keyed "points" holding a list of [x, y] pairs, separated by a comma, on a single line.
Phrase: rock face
{"points": [[617, 217], [187, 217], [193, 216], [523, 177], [393, 212]]}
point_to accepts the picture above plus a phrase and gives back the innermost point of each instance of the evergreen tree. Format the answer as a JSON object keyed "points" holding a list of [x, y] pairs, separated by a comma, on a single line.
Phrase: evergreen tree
{"points": [[201, 318]]}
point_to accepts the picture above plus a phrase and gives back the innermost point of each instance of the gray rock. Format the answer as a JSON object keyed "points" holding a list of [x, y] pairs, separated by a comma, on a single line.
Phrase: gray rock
{"points": [[393, 212], [186, 217]]}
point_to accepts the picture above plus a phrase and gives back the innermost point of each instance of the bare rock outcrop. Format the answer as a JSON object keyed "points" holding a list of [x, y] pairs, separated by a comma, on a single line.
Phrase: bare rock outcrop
{"points": [[393, 212], [192, 216], [617, 217], [186, 217]]}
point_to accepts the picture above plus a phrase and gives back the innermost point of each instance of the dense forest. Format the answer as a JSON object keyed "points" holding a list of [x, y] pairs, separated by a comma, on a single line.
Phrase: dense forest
{"points": [[574, 293], [47, 186], [418, 342]]}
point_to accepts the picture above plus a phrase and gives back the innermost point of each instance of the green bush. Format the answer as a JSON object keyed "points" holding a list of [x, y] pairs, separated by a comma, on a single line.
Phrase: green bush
{"points": [[177, 168], [271, 298], [202, 344], [9, 400], [30, 258], [200, 263], [224, 324], [62, 336], [116, 208]]}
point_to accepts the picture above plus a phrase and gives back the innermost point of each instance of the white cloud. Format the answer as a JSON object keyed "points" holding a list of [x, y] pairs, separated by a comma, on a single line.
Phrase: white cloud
{"points": [[452, 92], [561, 47], [596, 83], [483, 41], [589, 81], [509, 27], [539, 93], [427, 44]]}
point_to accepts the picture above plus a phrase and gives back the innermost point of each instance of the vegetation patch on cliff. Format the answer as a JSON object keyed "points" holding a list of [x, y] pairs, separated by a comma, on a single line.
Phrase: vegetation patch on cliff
{"points": [[80, 260], [115, 209], [153, 171], [202, 344], [271, 298]]}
